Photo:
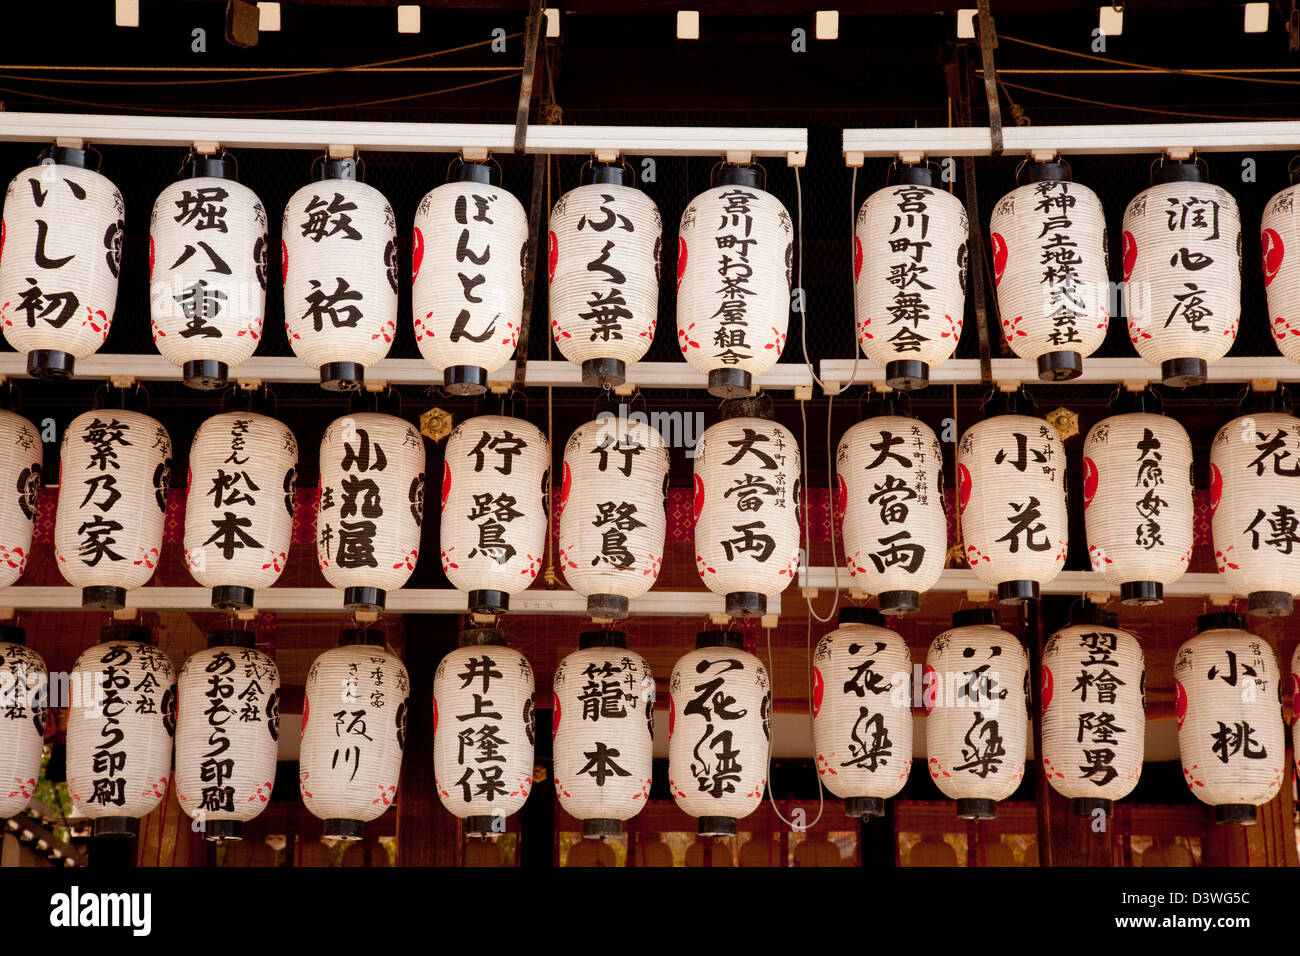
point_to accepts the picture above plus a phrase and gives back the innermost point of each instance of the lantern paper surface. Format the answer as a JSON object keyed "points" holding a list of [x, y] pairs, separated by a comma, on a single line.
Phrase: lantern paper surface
{"points": [[467, 294], [20, 477], [60, 255], [22, 729], [1093, 686], [494, 515], [1011, 493], [120, 731], [890, 479], [1279, 241], [207, 271], [483, 726], [719, 732], [1137, 498], [862, 711], [115, 472], [227, 733], [239, 506], [603, 721]]}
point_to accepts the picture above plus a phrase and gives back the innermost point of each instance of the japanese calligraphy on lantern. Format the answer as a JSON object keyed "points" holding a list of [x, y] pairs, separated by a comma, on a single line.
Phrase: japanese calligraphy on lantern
{"points": [[20, 479], [23, 718]]}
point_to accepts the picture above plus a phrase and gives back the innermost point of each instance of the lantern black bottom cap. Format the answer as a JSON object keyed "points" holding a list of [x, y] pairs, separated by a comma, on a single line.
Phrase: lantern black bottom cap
{"points": [[488, 601], [716, 826], [103, 598], [364, 599], [907, 374], [730, 383], [224, 829], [484, 825], [343, 376], [120, 827], [1184, 372], [50, 364], [1059, 366], [1142, 593], [607, 607], [971, 808], [1269, 604], [232, 597], [746, 604], [1236, 814], [899, 602], [464, 379], [1087, 806], [864, 807], [205, 374], [341, 829], [1017, 592], [600, 372], [601, 828]]}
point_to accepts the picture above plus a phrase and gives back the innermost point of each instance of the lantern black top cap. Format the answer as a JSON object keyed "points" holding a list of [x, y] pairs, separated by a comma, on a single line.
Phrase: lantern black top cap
{"points": [[361, 635], [232, 639], [346, 168], [725, 174], [612, 174], [1008, 403], [126, 632], [602, 639], [914, 174], [1222, 620], [218, 167], [861, 615], [473, 636], [732, 639], [473, 172], [976, 617], [1087, 613], [757, 406], [1182, 171], [1054, 171], [64, 155]]}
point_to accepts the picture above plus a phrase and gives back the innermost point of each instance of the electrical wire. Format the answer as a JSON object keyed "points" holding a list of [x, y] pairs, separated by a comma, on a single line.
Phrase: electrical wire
{"points": [[821, 793], [1145, 109]]}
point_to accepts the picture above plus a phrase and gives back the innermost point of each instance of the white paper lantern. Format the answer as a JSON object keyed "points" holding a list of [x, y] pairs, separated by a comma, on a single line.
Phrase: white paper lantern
{"points": [[120, 728], [353, 733], [1011, 494], [340, 275], [1280, 234], [909, 273], [23, 714], [862, 711], [483, 725], [114, 475], [1050, 268], [746, 509], [976, 697], [371, 506], [1093, 687], [1254, 502], [613, 512], [20, 477], [889, 472], [1137, 500], [606, 239], [60, 255], [1229, 706], [227, 733], [603, 719], [494, 509], [468, 303], [1182, 273], [735, 250], [239, 505], [719, 732]]}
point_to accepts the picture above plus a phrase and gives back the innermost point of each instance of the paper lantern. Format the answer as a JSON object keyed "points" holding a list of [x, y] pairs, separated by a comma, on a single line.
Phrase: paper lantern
{"points": [[1182, 273], [1011, 494], [976, 697], [114, 474], [207, 271], [468, 303], [227, 734], [24, 688], [862, 711], [735, 250], [746, 508], [1050, 266], [20, 477], [606, 238], [718, 747], [1254, 502], [602, 720], [1093, 686], [340, 275], [239, 505], [1228, 701], [371, 506], [494, 509], [350, 755], [62, 236], [483, 725], [613, 513], [1137, 500], [1280, 234], [120, 729], [909, 273], [889, 472]]}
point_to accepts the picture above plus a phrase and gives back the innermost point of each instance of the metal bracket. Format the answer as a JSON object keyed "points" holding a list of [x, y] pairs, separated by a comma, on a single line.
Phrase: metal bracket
{"points": [[796, 158], [988, 37], [855, 159], [606, 155], [340, 151], [206, 147], [474, 154], [803, 393], [123, 381], [739, 157]]}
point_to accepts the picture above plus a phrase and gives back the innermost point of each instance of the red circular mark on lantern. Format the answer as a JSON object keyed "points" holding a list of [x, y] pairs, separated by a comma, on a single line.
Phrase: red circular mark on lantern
{"points": [[151, 257], [999, 256], [841, 494], [1216, 487], [1090, 477], [857, 258], [189, 480], [435, 715], [306, 709], [552, 255], [1271, 244], [699, 496], [446, 483], [929, 687], [3, 230], [1045, 684], [566, 485], [819, 688], [1180, 701], [1295, 698], [681, 261], [963, 487], [1130, 254], [555, 708], [284, 260], [672, 715], [417, 252]]}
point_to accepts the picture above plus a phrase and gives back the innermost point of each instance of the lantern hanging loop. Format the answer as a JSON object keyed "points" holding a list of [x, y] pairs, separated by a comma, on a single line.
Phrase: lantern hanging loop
{"points": [[1196, 159], [621, 161], [892, 172], [324, 158], [46, 156], [1057, 160], [752, 165]]}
